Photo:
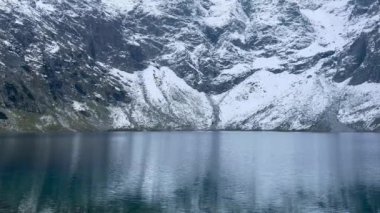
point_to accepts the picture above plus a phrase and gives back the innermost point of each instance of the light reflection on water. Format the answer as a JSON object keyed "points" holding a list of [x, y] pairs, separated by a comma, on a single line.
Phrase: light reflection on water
{"points": [[190, 172]]}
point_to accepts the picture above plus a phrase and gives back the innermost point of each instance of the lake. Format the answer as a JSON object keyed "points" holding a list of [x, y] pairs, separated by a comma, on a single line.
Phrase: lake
{"points": [[190, 172]]}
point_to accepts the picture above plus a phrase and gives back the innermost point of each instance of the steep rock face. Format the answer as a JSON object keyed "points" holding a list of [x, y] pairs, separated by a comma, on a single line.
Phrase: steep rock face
{"points": [[190, 64]]}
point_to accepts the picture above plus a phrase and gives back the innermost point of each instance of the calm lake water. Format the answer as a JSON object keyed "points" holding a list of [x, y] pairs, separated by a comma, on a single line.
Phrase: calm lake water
{"points": [[190, 172]]}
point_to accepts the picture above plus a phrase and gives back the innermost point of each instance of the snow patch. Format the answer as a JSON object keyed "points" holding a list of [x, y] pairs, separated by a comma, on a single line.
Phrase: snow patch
{"points": [[45, 6], [119, 118], [151, 82], [97, 95], [361, 103], [220, 13], [78, 106], [267, 100], [120, 5], [329, 22], [267, 63], [53, 48], [19, 22]]}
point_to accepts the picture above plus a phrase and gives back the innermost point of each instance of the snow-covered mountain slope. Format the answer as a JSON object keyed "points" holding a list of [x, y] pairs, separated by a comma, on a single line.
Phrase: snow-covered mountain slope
{"points": [[190, 64]]}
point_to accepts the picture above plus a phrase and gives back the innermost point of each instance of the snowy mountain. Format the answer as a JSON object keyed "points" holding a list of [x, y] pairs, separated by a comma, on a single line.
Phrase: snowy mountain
{"points": [[190, 64]]}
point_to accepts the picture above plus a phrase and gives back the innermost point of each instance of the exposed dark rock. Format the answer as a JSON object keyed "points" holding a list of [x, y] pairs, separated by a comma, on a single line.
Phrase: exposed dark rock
{"points": [[3, 116], [361, 61], [85, 113]]}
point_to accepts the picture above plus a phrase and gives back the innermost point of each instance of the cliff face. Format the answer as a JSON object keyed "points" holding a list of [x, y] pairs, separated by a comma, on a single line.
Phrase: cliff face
{"points": [[190, 64]]}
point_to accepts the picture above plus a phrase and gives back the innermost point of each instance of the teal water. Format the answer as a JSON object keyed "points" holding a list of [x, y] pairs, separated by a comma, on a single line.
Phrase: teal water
{"points": [[190, 172]]}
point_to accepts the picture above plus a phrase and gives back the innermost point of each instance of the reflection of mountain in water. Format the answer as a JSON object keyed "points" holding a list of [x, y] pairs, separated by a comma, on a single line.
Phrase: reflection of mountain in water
{"points": [[190, 172]]}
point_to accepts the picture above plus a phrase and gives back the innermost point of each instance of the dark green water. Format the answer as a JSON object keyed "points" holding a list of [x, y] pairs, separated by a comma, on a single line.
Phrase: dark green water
{"points": [[190, 172]]}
